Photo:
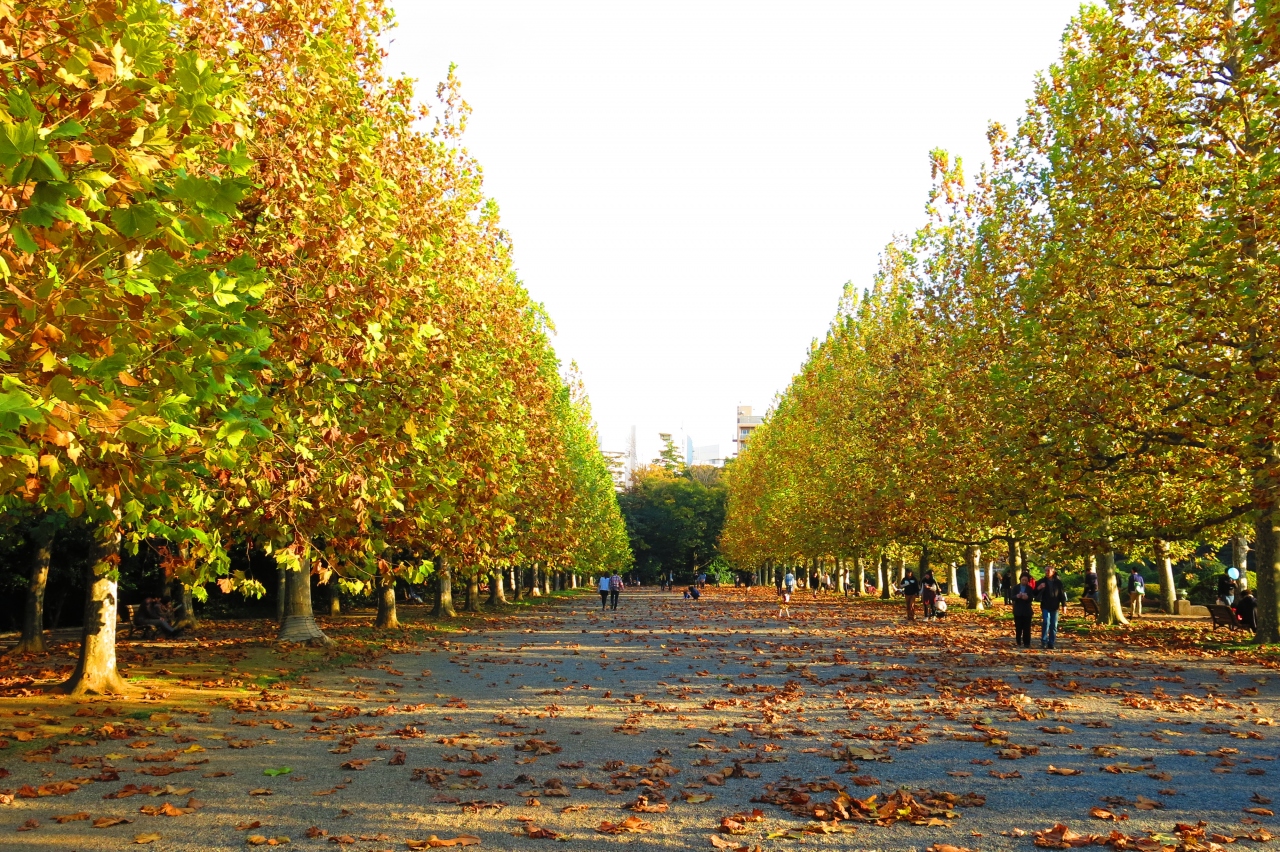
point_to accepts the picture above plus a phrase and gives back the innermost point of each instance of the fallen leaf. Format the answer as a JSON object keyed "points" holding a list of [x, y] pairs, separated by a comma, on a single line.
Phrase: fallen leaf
{"points": [[151, 837]]}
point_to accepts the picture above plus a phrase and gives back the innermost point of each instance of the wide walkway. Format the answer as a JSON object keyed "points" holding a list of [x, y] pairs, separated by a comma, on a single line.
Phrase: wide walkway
{"points": [[664, 718]]}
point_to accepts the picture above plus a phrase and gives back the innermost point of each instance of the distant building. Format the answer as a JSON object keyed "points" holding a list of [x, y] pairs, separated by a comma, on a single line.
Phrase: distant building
{"points": [[617, 462], [708, 455], [747, 423]]}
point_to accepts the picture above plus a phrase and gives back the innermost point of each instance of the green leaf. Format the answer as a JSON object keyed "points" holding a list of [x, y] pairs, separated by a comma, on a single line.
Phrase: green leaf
{"points": [[283, 770], [22, 239]]}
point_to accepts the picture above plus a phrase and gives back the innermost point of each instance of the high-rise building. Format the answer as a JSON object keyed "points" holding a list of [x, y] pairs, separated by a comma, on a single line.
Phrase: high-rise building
{"points": [[747, 423]]}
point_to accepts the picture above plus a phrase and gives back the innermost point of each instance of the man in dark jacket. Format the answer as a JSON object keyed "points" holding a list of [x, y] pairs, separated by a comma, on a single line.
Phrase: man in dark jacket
{"points": [[1022, 595], [910, 590], [1091, 583], [1053, 596]]}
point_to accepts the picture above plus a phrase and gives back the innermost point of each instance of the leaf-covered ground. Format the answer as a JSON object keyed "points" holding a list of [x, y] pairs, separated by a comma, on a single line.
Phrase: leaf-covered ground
{"points": [[668, 724]]}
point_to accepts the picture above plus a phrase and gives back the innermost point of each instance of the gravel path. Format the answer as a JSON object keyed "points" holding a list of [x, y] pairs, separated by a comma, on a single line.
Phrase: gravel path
{"points": [[496, 732]]}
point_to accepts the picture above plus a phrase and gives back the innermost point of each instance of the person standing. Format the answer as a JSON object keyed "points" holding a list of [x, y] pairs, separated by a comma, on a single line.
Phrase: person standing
{"points": [[788, 589], [910, 591], [1021, 596], [615, 589], [604, 591], [1137, 588], [1053, 596], [1227, 589]]}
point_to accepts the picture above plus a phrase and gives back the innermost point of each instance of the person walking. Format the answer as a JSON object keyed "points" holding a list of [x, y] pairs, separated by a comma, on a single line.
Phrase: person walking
{"points": [[910, 591], [788, 589], [929, 594], [1022, 595], [1137, 588], [1053, 597], [615, 589], [604, 591]]}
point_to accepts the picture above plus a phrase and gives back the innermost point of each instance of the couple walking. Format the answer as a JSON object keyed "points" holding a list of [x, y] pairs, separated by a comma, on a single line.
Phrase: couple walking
{"points": [[610, 588]]}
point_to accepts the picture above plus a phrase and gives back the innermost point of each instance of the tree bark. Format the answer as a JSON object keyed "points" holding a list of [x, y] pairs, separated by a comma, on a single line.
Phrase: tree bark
{"points": [[387, 618], [473, 592], [32, 641], [1240, 560], [991, 579], [973, 571], [517, 588], [839, 577], [1164, 564], [1266, 552], [1015, 559], [496, 596], [444, 590], [860, 568], [1110, 609], [185, 613], [299, 619], [534, 588], [335, 595], [882, 576], [282, 593], [96, 672]]}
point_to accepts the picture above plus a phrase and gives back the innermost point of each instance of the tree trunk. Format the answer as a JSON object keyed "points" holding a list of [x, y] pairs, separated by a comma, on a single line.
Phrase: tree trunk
{"points": [[1240, 560], [991, 579], [517, 588], [386, 602], [95, 672], [973, 573], [335, 596], [860, 569], [1164, 563], [184, 612], [473, 592], [32, 641], [534, 590], [839, 577], [1110, 609], [1266, 553], [1015, 560], [444, 590], [282, 593], [953, 580], [899, 571], [299, 618], [882, 576], [496, 596]]}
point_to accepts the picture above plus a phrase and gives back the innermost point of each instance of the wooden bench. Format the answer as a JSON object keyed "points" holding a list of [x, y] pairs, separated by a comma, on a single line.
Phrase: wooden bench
{"points": [[1224, 616], [130, 622], [1089, 605]]}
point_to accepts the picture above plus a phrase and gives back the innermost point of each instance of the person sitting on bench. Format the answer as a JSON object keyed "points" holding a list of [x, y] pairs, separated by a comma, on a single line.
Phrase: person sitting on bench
{"points": [[1247, 610], [152, 614]]}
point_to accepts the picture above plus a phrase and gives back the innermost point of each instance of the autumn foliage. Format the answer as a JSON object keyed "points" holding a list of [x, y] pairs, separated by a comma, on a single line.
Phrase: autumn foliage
{"points": [[1077, 353], [254, 292]]}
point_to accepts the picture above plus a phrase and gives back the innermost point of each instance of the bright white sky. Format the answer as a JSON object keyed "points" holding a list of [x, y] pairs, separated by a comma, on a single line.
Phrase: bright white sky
{"points": [[689, 184]]}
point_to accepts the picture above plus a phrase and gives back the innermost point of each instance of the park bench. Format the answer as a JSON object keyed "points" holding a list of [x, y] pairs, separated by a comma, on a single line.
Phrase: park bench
{"points": [[1089, 605], [130, 622], [1224, 616]]}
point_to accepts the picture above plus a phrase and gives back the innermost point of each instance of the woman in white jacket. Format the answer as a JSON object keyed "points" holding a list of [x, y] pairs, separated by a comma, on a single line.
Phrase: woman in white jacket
{"points": [[604, 591]]}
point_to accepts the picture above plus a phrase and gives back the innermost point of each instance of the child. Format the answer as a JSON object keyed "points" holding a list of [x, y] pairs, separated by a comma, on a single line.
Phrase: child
{"points": [[788, 587]]}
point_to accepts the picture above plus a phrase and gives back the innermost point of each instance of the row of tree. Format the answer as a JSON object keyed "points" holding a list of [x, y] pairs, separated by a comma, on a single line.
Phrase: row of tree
{"points": [[254, 292], [1080, 351]]}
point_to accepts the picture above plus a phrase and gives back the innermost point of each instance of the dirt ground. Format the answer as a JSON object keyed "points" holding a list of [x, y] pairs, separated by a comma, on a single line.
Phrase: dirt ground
{"points": [[649, 727]]}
